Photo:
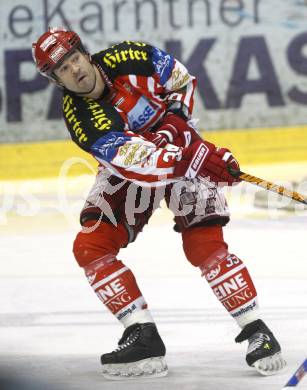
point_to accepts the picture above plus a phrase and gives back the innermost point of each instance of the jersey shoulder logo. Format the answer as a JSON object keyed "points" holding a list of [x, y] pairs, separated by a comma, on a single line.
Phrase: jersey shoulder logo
{"points": [[163, 64], [126, 52]]}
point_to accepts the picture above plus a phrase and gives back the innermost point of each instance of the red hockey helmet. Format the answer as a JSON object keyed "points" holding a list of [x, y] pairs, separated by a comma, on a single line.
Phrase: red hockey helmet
{"points": [[51, 48]]}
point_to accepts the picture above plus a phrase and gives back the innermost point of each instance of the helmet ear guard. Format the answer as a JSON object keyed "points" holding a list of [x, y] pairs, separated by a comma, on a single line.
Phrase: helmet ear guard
{"points": [[52, 47]]}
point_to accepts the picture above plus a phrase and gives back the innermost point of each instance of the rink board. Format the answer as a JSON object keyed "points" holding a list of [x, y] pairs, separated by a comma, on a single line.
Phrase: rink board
{"points": [[45, 159]]}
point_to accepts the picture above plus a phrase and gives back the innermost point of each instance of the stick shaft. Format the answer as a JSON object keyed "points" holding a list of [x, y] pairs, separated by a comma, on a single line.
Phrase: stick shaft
{"points": [[298, 375], [271, 186]]}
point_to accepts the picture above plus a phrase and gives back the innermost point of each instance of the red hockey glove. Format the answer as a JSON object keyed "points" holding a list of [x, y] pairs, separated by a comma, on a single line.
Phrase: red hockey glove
{"points": [[160, 140], [172, 129], [206, 160]]}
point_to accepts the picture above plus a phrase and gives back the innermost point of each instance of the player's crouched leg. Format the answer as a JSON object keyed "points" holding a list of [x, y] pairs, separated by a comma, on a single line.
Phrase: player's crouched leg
{"points": [[232, 284], [141, 350]]}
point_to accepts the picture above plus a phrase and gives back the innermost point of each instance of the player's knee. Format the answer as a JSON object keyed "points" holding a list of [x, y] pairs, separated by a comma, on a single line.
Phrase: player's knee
{"points": [[98, 242], [201, 244], [87, 248]]}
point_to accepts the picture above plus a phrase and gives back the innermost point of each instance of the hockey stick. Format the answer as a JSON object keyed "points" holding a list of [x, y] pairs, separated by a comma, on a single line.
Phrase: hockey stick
{"points": [[297, 376], [268, 185]]}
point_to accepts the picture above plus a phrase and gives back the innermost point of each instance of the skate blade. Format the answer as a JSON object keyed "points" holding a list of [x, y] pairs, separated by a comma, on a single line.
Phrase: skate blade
{"points": [[270, 365], [147, 368]]}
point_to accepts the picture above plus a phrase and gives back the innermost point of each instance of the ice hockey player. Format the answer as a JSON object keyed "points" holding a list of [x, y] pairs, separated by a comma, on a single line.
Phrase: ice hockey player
{"points": [[130, 106]]}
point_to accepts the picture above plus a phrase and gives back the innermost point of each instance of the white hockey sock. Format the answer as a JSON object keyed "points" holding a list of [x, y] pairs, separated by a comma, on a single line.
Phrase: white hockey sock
{"points": [[140, 316], [248, 317]]}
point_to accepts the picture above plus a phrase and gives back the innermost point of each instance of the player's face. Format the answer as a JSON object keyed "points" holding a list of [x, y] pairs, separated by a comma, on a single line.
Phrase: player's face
{"points": [[76, 73]]}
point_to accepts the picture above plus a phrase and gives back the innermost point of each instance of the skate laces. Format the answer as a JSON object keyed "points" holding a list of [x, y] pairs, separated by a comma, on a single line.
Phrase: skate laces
{"points": [[256, 341], [130, 335]]}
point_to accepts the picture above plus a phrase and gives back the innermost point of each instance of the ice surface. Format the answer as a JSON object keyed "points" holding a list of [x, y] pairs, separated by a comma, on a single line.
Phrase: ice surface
{"points": [[53, 328]]}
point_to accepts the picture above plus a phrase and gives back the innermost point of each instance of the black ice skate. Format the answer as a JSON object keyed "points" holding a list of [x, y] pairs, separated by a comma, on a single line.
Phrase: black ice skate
{"points": [[263, 352], [140, 354]]}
